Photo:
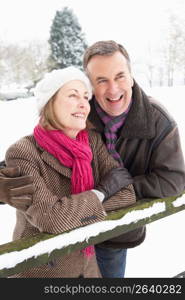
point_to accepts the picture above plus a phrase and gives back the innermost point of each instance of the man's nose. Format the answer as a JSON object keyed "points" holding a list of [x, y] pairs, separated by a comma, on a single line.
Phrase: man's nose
{"points": [[112, 87]]}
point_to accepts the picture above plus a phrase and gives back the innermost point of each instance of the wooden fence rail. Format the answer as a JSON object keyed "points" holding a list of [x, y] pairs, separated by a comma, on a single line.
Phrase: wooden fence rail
{"points": [[26, 253]]}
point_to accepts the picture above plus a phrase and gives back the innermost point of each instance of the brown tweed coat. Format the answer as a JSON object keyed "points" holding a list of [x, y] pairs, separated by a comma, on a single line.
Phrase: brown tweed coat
{"points": [[55, 210]]}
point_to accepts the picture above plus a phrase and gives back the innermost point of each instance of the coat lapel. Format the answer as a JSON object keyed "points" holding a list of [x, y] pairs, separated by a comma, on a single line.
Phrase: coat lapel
{"points": [[55, 164], [140, 122]]}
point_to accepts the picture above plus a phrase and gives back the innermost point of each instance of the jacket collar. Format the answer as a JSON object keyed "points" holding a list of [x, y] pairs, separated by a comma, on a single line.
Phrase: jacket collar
{"points": [[54, 162], [140, 119]]}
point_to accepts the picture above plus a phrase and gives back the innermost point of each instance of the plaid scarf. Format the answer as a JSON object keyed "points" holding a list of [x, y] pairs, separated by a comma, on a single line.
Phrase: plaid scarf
{"points": [[112, 125]]}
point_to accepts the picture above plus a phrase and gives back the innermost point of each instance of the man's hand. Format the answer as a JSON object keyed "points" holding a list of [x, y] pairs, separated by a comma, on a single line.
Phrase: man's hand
{"points": [[15, 190], [114, 181]]}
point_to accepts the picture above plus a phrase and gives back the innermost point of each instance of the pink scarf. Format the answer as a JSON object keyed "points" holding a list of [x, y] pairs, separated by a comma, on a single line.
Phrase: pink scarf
{"points": [[75, 154]]}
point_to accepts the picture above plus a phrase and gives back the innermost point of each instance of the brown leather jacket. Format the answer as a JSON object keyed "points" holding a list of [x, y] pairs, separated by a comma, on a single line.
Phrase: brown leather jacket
{"points": [[150, 147]]}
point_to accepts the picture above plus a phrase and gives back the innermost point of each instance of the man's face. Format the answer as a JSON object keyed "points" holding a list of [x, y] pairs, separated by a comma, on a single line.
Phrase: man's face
{"points": [[112, 82]]}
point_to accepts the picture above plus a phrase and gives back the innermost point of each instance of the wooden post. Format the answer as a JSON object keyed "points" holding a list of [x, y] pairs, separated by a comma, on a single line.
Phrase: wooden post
{"points": [[15, 257]]}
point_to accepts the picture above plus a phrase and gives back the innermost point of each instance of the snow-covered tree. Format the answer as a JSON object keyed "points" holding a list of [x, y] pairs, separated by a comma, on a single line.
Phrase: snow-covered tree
{"points": [[67, 41], [21, 63], [172, 48]]}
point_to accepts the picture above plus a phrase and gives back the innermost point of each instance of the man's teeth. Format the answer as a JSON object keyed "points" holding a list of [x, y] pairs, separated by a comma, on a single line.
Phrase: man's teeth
{"points": [[115, 99]]}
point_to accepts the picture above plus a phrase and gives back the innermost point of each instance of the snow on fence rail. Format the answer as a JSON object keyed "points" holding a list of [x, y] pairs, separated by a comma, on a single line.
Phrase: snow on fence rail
{"points": [[26, 253]]}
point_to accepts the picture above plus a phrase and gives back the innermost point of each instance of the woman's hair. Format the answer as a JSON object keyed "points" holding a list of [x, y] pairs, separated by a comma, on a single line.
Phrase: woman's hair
{"points": [[48, 118], [104, 48]]}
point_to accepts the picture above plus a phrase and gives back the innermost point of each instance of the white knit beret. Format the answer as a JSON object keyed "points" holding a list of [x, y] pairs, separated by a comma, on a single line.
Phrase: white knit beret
{"points": [[54, 80]]}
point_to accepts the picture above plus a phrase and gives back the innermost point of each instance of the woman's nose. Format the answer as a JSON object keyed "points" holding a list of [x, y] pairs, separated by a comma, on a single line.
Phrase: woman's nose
{"points": [[83, 102], [82, 105]]}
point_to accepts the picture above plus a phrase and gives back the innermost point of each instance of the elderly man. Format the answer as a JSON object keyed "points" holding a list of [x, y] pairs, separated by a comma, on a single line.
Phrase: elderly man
{"points": [[139, 133]]}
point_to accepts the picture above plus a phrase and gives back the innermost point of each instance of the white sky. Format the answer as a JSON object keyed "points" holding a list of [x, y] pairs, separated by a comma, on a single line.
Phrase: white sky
{"points": [[131, 22]]}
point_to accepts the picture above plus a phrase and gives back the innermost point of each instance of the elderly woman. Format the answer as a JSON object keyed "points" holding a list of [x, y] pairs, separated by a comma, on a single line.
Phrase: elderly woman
{"points": [[76, 180]]}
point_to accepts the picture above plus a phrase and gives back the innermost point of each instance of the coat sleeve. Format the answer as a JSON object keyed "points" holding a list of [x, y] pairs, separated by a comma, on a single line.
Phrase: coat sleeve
{"points": [[49, 213], [106, 163], [166, 174]]}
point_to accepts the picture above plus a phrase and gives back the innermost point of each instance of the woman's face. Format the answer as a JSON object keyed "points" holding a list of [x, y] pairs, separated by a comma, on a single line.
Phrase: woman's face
{"points": [[71, 107]]}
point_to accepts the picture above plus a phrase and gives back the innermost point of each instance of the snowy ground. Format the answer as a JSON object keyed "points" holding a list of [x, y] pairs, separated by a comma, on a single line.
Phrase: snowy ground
{"points": [[162, 253]]}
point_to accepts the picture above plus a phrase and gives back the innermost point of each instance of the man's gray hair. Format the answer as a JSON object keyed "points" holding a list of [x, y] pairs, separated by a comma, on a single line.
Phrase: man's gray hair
{"points": [[104, 48]]}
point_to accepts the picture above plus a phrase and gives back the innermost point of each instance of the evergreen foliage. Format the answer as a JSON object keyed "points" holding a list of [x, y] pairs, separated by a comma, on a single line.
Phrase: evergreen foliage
{"points": [[67, 41]]}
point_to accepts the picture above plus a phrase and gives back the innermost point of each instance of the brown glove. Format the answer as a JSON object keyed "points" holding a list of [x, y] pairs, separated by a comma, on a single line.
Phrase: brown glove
{"points": [[15, 190], [114, 181]]}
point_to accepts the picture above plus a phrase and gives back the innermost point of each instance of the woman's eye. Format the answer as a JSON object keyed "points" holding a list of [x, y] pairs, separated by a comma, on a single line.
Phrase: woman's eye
{"points": [[72, 95]]}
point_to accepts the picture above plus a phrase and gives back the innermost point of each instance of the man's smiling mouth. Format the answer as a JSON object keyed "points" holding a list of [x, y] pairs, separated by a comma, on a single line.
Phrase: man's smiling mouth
{"points": [[114, 100]]}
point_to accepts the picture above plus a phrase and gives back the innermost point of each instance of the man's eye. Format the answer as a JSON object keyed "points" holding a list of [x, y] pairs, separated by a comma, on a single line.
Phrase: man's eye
{"points": [[101, 81], [122, 76]]}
